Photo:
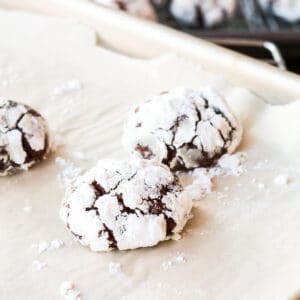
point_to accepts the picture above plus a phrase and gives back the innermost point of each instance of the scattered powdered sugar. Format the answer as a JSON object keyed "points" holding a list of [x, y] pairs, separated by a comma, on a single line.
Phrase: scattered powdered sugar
{"points": [[68, 291], [263, 164], [177, 259], [41, 247], [55, 244], [47, 246], [115, 268], [27, 209], [66, 87], [39, 265], [282, 179], [198, 182], [180, 258], [232, 164], [69, 171]]}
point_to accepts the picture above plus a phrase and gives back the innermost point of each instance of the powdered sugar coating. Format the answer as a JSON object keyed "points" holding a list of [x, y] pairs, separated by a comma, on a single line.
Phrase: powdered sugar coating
{"points": [[125, 205], [140, 8], [288, 10], [206, 13], [183, 129], [24, 137]]}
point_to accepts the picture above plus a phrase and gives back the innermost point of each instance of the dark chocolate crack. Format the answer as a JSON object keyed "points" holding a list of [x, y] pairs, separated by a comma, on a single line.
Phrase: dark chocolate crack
{"points": [[32, 155], [110, 237], [145, 151], [157, 207], [99, 190], [4, 159], [125, 209], [74, 233]]}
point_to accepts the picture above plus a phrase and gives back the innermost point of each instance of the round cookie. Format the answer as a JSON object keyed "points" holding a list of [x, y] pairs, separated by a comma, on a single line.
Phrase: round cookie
{"points": [[289, 10], [139, 8], [183, 129], [24, 138], [125, 205], [202, 13]]}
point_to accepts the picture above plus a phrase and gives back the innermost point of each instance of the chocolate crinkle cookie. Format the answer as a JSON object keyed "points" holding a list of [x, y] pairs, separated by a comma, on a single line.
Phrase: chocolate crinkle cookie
{"points": [[289, 10], [125, 205], [24, 138], [139, 8], [202, 13], [183, 129]]}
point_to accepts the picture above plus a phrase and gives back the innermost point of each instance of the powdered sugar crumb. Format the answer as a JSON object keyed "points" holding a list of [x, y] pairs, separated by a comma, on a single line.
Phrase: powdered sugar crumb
{"points": [[282, 179], [68, 291], [115, 268], [27, 209], [177, 259], [69, 86], [39, 265], [180, 258], [232, 164], [47, 246], [198, 182], [69, 171], [55, 244], [41, 247]]}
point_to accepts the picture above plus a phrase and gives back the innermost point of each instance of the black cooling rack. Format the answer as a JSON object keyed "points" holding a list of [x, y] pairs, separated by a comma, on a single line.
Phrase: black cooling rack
{"points": [[252, 32]]}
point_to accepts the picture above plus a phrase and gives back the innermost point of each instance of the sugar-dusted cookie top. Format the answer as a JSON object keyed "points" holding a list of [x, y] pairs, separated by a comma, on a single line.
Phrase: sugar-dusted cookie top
{"points": [[139, 8], [289, 10], [24, 137], [202, 13], [183, 129], [125, 205]]}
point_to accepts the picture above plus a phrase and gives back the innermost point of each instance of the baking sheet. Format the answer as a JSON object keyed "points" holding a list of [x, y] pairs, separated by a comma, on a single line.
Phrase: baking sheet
{"points": [[144, 39], [232, 245]]}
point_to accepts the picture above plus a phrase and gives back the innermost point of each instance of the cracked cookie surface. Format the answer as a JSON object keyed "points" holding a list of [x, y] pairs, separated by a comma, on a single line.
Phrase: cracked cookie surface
{"points": [[289, 10], [183, 129], [24, 137], [125, 205], [139, 8], [202, 13]]}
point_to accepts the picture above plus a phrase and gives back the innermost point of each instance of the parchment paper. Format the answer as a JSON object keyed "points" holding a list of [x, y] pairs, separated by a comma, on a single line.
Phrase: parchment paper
{"points": [[243, 242]]}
